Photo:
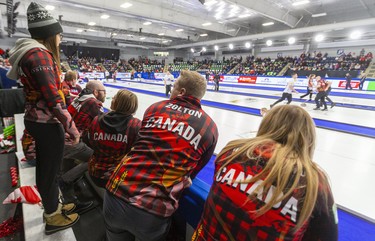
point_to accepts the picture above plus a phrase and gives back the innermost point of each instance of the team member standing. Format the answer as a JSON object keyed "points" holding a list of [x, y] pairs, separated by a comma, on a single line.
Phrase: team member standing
{"points": [[112, 135], [320, 97], [36, 62], [362, 81], [176, 140], [168, 80], [328, 91], [310, 85], [289, 89], [217, 81], [268, 188], [348, 81]]}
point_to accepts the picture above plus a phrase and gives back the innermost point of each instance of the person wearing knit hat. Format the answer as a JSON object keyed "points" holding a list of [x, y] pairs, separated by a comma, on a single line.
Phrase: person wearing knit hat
{"points": [[36, 63]]}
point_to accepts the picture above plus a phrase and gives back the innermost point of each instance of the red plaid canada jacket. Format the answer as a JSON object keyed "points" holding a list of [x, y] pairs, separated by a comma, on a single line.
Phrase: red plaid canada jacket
{"points": [[84, 109], [110, 144], [176, 140], [41, 79], [228, 212]]}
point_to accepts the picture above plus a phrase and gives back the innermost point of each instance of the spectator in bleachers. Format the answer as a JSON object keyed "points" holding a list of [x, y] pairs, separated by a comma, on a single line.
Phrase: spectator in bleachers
{"points": [[269, 187], [45, 114], [71, 79], [176, 140], [112, 135]]}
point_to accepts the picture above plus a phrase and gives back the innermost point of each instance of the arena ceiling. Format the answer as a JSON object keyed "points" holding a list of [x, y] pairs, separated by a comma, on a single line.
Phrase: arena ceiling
{"points": [[188, 23]]}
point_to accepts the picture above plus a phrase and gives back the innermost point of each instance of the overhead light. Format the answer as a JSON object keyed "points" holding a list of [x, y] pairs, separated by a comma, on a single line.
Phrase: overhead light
{"points": [[130, 35], [142, 38], [91, 30], [291, 40], [161, 34], [247, 45], [268, 24], [269, 43], [319, 37], [319, 15], [192, 50], [104, 16], [231, 30], [216, 48], [206, 24], [204, 49], [114, 34], [230, 46], [179, 30], [50, 7], [165, 41], [298, 3], [147, 23], [209, 3], [79, 30], [126, 5], [203, 35], [91, 23], [244, 15], [355, 35]]}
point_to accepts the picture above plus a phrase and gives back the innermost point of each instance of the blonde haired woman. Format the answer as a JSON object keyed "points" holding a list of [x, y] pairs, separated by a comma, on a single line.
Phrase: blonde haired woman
{"points": [[112, 135], [268, 187]]}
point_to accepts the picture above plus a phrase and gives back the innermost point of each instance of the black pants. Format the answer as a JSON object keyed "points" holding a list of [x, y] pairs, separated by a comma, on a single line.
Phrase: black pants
{"points": [[309, 92], [327, 94], [125, 222], [167, 90], [283, 97], [216, 86], [49, 145], [320, 99], [348, 85], [361, 84]]}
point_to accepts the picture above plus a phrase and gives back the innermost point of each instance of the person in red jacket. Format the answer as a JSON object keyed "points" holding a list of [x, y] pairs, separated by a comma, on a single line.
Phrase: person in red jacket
{"points": [[88, 104], [268, 188], [36, 63], [176, 140], [112, 135]]}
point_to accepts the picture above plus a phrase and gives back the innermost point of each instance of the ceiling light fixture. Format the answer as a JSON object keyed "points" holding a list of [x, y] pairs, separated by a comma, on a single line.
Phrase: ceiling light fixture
{"points": [[319, 15], [268, 24], [216, 48], [244, 15], [204, 49], [147, 23], [230, 46], [298, 3], [203, 35], [355, 35], [126, 5], [50, 7], [161, 34], [104, 16], [91, 23], [247, 45], [165, 41], [319, 37], [79, 30], [269, 43], [206, 24], [192, 50], [142, 38], [291, 40], [231, 30], [179, 30]]}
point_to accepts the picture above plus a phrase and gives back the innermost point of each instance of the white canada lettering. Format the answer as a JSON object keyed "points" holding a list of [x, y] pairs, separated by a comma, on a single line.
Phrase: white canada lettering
{"points": [[236, 179], [181, 128], [110, 137]]}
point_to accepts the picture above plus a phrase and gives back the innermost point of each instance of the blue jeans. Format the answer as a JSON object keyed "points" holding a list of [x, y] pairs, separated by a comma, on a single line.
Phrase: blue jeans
{"points": [[125, 222]]}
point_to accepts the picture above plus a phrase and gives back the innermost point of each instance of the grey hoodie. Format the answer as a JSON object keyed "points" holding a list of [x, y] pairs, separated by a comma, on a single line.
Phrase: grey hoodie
{"points": [[23, 45]]}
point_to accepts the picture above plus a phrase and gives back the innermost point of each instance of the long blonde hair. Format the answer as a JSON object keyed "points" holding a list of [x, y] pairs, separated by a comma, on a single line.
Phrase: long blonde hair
{"points": [[290, 132], [51, 45]]}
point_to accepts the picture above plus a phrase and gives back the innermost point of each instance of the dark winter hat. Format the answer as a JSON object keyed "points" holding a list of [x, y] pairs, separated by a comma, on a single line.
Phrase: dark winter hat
{"points": [[40, 22]]}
